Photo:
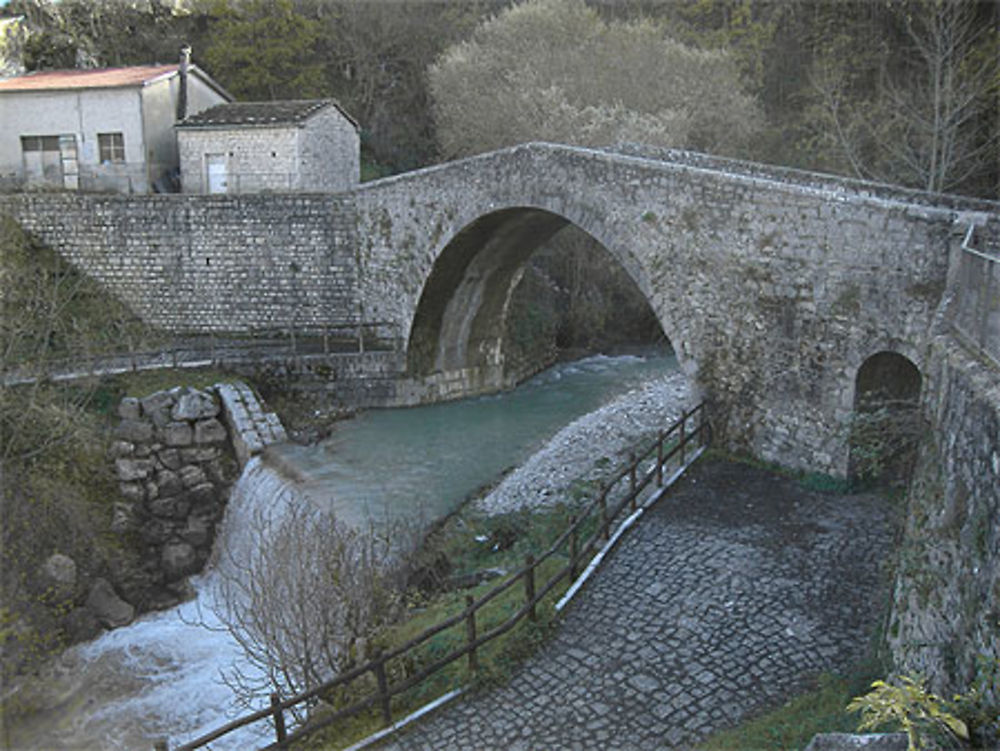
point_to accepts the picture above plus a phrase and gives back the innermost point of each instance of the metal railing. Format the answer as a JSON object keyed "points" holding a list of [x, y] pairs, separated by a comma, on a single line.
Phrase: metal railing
{"points": [[254, 346], [977, 305], [674, 449]]}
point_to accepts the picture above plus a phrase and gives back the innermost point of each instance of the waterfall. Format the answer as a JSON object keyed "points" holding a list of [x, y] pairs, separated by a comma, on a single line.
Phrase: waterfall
{"points": [[159, 677]]}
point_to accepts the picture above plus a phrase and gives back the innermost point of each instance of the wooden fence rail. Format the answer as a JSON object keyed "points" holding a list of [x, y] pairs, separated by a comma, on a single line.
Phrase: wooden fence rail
{"points": [[645, 468]]}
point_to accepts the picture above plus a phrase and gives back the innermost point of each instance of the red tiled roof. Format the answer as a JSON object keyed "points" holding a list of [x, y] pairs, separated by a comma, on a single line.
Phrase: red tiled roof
{"points": [[86, 79]]}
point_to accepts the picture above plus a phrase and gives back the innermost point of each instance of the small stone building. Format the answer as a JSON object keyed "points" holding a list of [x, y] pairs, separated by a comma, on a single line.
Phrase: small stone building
{"points": [[254, 147]]}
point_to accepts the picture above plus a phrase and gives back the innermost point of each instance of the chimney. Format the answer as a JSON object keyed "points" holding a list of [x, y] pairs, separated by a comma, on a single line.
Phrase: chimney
{"points": [[182, 71]]}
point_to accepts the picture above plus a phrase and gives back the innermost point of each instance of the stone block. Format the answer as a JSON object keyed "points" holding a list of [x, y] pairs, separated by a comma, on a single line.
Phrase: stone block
{"points": [[129, 408], [136, 431], [177, 434], [209, 431], [133, 492], [169, 482], [170, 458], [121, 448], [123, 518], [130, 470], [178, 559], [170, 507], [194, 405], [199, 455], [198, 531], [201, 496], [192, 475], [161, 401]]}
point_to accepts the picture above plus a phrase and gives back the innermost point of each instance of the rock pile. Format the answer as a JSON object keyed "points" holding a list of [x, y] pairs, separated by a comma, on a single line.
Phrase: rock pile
{"points": [[569, 456], [174, 469]]}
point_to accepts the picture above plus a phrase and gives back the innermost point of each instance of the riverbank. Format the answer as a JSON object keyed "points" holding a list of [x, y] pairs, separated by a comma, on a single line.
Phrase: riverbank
{"points": [[590, 448]]}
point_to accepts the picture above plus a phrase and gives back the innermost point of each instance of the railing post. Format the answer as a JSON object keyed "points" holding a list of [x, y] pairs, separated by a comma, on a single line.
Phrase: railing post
{"points": [[572, 547], [361, 338], [279, 719], [529, 585], [605, 522], [470, 627], [326, 340], [633, 464], [161, 745], [659, 459], [383, 690]]}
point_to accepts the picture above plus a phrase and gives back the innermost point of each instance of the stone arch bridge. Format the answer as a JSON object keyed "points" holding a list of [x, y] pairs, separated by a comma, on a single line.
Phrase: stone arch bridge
{"points": [[773, 285]]}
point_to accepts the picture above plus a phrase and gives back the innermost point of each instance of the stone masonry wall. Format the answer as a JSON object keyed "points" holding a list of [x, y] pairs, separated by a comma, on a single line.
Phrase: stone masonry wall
{"points": [[207, 263], [945, 622], [257, 158], [174, 467], [329, 152]]}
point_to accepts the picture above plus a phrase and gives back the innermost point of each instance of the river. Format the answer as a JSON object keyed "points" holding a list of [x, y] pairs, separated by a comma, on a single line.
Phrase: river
{"points": [[159, 677]]}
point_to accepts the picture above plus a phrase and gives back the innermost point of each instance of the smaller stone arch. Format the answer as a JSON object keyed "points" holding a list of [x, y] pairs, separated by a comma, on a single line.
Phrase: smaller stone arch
{"points": [[886, 422]]}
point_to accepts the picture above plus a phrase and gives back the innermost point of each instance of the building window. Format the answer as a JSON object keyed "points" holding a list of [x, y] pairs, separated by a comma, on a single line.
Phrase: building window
{"points": [[40, 143], [111, 146]]}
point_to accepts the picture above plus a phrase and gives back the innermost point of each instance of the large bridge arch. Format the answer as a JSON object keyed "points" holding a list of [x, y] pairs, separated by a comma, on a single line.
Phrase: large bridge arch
{"points": [[458, 324]]}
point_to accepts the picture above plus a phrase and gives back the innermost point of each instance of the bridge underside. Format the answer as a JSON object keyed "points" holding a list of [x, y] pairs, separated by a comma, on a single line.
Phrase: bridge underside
{"points": [[459, 323]]}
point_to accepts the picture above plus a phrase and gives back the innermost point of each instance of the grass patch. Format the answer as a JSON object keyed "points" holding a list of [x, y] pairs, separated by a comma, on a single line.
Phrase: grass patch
{"points": [[820, 709]]}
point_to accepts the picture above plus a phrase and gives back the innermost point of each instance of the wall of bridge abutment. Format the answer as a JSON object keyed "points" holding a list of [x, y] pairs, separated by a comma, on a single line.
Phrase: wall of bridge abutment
{"points": [[772, 291]]}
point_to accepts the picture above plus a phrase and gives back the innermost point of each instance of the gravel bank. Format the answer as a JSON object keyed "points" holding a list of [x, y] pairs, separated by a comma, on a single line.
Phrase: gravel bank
{"points": [[572, 454]]}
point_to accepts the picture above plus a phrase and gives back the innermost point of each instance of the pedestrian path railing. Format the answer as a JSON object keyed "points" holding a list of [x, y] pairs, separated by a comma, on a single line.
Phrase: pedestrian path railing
{"points": [[977, 306], [201, 350], [588, 536]]}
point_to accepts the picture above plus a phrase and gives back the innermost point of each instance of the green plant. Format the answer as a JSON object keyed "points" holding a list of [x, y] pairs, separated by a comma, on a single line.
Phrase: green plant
{"points": [[921, 714]]}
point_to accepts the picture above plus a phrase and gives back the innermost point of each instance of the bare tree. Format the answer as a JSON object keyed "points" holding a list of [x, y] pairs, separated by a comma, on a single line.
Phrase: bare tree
{"points": [[930, 118], [303, 595]]}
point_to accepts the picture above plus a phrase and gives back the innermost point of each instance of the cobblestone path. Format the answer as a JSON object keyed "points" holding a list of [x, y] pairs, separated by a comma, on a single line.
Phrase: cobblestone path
{"points": [[723, 600]]}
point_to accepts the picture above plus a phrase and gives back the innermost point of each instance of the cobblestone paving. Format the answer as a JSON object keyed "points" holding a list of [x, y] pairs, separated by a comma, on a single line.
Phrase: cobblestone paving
{"points": [[724, 599]]}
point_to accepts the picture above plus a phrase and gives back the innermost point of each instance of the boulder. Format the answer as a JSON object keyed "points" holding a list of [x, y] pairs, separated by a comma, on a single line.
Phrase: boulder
{"points": [[108, 608], [209, 431], [179, 559], [80, 624], [58, 576]]}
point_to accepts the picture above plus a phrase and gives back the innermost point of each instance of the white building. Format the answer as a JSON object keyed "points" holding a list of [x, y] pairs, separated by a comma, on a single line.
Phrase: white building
{"points": [[252, 147], [110, 129]]}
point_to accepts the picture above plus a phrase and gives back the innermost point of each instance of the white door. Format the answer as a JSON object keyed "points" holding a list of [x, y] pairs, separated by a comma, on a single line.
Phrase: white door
{"points": [[215, 169]]}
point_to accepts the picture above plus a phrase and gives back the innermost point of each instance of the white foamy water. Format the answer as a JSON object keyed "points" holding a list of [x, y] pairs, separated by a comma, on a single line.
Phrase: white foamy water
{"points": [[161, 676]]}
